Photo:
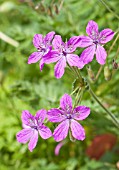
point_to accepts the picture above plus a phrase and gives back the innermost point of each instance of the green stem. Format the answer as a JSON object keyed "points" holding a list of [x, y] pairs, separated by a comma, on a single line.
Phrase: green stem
{"points": [[109, 9], [80, 97], [115, 121], [74, 91], [71, 68], [98, 73], [77, 97]]}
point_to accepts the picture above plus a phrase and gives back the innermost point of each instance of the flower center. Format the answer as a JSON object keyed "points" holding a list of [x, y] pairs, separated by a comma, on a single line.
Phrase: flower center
{"points": [[69, 116], [96, 42], [35, 127]]}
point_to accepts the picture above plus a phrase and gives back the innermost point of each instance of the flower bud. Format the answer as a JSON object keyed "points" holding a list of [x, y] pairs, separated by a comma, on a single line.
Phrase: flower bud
{"points": [[49, 11], [114, 64], [91, 73], [56, 9], [107, 73]]}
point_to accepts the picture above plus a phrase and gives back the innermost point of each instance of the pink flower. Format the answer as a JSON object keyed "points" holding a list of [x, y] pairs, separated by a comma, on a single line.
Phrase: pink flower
{"points": [[43, 47], [32, 125], [94, 43], [68, 115], [63, 53]]}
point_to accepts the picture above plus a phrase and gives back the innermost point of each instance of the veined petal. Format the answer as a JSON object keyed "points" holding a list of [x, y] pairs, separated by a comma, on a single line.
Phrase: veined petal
{"points": [[72, 44], [92, 28], [61, 131], [77, 130], [53, 56], [106, 35], [56, 115], [33, 141], [85, 41], [24, 135], [81, 112], [49, 37], [101, 55], [73, 60], [27, 118], [37, 40], [57, 42], [45, 132], [40, 116], [34, 57], [66, 103], [59, 68], [88, 54]]}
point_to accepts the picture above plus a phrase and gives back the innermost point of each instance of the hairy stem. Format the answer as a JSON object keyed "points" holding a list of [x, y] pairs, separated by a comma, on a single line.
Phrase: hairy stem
{"points": [[114, 119], [98, 73], [109, 9]]}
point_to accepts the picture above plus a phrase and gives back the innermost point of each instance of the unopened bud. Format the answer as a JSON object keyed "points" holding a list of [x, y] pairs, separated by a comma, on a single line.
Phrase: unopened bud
{"points": [[56, 9], [107, 73], [91, 73], [114, 64], [49, 11]]}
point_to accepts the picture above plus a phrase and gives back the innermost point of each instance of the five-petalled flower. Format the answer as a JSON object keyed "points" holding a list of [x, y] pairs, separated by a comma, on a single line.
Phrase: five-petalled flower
{"points": [[94, 43], [32, 125], [43, 46], [63, 53], [68, 117]]}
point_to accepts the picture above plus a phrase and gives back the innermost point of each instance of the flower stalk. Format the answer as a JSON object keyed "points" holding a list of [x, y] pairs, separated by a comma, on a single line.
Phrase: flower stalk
{"points": [[114, 119]]}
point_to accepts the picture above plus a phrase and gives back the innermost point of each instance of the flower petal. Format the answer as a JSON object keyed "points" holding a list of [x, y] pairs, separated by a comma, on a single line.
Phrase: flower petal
{"points": [[34, 57], [53, 56], [101, 55], [106, 35], [45, 132], [61, 131], [33, 141], [72, 44], [81, 112], [49, 37], [77, 130], [85, 41], [59, 68], [40, 116], [56, 115], [37, 40], [58, 147], [66, 103], [24, 135], [73, 60], [88, 54], [92, 28], [27, 118], [57, 42]]}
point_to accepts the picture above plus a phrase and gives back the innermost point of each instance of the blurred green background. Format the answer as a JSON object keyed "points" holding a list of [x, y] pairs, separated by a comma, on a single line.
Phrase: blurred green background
{"points": [[24, 87]]}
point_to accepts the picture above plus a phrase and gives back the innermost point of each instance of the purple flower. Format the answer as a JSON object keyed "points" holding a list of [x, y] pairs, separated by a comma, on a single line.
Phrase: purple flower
{"points": [[43, 48], [63, 52], [94, 43], [68, 116], [32, 126]]}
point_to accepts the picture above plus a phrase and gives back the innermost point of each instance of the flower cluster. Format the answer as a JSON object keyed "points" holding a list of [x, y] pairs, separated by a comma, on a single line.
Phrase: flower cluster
{"points": [[52, 49], [67, 115]]}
